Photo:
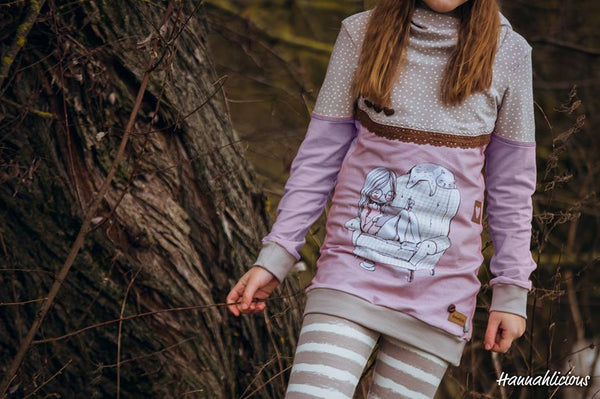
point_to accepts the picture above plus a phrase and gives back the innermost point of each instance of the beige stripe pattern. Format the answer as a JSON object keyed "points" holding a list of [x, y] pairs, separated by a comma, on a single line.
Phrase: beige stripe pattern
{"points": [[403, 371], [332, 353], [330, 357]]}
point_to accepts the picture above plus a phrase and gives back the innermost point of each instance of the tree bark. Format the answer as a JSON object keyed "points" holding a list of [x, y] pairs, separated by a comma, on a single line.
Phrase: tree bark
{"points": [[181, 222]]}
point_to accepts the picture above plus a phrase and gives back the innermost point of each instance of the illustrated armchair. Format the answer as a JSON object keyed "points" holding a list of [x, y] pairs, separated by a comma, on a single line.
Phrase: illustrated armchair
{"points": [[414, 231]]}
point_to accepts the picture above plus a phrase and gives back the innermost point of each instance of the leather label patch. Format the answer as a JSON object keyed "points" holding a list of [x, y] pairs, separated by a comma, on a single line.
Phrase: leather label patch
{"points": [[457, 318], [477, 211]]}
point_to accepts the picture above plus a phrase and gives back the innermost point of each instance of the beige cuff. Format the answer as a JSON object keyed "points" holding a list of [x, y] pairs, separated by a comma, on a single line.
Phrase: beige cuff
{"points": [[509, 298], [276, 260]]}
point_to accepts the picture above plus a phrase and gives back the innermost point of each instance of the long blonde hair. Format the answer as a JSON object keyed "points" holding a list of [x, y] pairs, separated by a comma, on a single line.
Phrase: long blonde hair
{"points": [[469, 68]]}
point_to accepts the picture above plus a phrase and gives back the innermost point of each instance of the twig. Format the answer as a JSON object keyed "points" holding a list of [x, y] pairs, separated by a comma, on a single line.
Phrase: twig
{"points": [[121, 330], [16, 269], [565, 44], [498, 368], [43, 114], [49, 379], [551, 323], [89, 214], [270, 330], [266, 382], [258, 374], [22, 302], [573, 305], [145, 314], [146, 355], [20, 38], [586, 347], [18, 320], [136, 166]]}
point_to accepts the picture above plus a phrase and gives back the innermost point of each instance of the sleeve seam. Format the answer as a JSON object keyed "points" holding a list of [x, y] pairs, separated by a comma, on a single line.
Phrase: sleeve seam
{"points": [[514, 143], [335, 119]]}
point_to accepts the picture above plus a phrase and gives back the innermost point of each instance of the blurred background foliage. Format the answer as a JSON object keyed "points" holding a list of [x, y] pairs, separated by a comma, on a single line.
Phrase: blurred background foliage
{"points": [[275, 55]]}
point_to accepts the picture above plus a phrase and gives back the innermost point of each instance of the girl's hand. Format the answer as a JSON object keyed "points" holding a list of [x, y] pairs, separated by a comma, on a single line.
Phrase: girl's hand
{"points": [[256, 283], [502, 329]]}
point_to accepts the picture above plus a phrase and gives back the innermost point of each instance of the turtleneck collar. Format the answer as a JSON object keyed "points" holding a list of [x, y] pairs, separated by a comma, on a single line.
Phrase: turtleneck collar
{"points": [[433, 31], [424, 19]]}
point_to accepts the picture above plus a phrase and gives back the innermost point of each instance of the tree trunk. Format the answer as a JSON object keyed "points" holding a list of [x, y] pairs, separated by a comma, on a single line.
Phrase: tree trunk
{"points": [[181, 222]]}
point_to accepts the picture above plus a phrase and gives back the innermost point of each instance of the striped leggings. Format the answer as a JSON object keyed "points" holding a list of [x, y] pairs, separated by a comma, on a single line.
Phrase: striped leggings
{"points": [[332, 353]]}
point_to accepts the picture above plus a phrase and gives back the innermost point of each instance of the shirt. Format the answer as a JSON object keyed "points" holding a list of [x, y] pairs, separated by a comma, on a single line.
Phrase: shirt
{"points": [[403, 235]]}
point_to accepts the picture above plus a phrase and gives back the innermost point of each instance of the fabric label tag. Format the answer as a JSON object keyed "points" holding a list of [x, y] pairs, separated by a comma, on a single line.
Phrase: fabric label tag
{"points": [[457, 318], [477, 211]]}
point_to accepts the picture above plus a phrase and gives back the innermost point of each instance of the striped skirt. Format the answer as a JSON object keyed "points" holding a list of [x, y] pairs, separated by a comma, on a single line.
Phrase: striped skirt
{"points": [[332, 353]]}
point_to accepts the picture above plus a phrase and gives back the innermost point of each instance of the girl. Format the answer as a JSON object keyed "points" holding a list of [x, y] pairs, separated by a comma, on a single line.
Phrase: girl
{"points": [[377, 191], [440, 92]]}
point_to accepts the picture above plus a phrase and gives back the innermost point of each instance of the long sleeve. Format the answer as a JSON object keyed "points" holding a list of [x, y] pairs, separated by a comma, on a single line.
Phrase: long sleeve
{"points": [[315, 168], [510, 175]]}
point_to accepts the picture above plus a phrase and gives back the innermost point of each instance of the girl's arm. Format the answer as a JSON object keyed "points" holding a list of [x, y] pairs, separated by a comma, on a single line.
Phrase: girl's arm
{"points": [[315, 168], [510, 175]]}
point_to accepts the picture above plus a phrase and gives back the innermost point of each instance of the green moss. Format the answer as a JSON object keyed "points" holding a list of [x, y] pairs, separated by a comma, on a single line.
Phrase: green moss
{"points": [[36, 6], [23, 29]]}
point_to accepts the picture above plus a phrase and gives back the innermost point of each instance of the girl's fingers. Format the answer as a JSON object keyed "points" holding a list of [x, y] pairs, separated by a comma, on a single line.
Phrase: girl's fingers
{"points": [[233, 309], [251, 288], [231, 298], [235, 295], [491, 332], [257, 307], [248, 295], [503, 342]]}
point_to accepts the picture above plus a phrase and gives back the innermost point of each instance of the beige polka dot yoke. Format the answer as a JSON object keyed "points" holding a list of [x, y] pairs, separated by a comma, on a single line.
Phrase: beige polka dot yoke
{"points": [[506, 108]]}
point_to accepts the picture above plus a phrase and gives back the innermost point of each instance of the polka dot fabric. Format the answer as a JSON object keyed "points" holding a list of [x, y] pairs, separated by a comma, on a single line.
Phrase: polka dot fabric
{"points": [[515, 120], [506, 109], [334, 96]]}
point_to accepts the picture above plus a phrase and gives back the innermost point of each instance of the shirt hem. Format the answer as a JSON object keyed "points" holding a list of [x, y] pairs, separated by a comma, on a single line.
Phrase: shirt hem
{"points": [[396, 324]]}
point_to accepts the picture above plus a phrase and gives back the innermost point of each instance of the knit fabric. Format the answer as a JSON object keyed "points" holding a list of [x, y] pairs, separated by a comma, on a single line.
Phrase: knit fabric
{"points": [[415, 98], [403, 239]]}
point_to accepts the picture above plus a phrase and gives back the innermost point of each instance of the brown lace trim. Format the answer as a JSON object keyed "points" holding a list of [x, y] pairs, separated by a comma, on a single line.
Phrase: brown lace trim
{"points": [[420, 136]]}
